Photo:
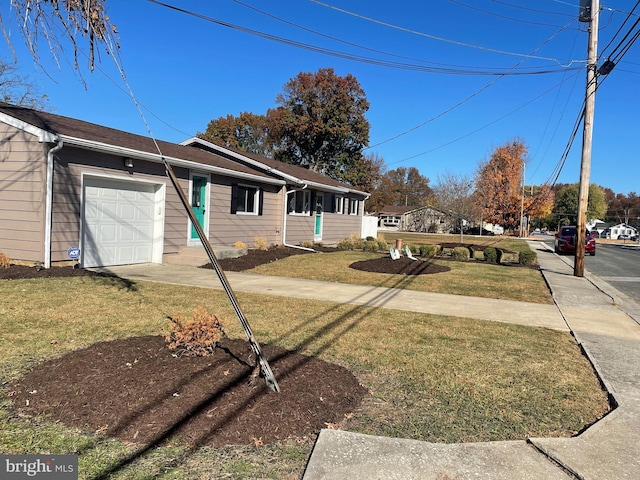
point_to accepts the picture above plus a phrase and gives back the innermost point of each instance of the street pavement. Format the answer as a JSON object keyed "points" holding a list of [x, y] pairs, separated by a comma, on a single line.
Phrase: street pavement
{"points": [[603, 321]]}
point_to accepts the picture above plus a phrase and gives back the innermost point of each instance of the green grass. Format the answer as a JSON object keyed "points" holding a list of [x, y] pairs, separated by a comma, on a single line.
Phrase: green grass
{"points": [[434, 378]]}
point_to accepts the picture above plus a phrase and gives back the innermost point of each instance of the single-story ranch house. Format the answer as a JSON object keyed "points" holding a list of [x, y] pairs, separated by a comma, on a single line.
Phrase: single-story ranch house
{"points": [[67, 184]]}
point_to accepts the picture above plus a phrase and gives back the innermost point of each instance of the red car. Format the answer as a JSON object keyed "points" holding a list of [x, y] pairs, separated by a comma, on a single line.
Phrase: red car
{"points": [[565, 241]]}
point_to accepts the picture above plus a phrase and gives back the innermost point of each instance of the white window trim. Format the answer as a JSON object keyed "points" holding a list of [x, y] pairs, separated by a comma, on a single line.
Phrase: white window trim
{"points": [[339, 208], [355, 202], [256, 200], [306, 202]]}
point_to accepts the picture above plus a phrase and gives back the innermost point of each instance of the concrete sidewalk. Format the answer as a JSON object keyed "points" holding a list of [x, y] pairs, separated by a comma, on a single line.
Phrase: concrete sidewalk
{"points": [[600, 317]]}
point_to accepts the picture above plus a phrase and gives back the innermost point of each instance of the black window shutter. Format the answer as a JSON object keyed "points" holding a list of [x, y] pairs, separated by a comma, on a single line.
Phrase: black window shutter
{"points": [[333, 204], [312, 207], [260, 200], [234, 198]]}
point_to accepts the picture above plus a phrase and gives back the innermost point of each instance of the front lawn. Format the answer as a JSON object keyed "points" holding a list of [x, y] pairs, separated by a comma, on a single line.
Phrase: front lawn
{"points": [[476, 279], [433, 378]]}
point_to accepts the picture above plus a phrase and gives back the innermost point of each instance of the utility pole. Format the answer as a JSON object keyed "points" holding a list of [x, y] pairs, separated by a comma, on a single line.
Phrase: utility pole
{"points": [[522, 201], [589, 14]]}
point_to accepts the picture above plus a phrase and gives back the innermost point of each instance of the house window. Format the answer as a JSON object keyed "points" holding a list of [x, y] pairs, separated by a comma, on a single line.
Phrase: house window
{"points": [[299, 203], [339, 204], [353, 207], [246, 200]]}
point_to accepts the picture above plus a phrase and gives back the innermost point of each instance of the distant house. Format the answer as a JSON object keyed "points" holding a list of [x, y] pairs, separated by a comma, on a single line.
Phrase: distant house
{"points": [[615, 231], [413, 219], [390, 215], [598, 226], [425, 219], [68, 183]]}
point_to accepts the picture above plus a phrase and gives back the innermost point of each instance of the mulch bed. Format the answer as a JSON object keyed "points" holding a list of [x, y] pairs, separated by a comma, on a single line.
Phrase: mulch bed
{"points": [[401, 266], [18, 272], [136, 390]]}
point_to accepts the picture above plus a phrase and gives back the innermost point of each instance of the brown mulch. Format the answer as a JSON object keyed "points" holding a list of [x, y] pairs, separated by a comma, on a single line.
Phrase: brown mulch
{"points": [[401, 266], [254, 257], [136, 390], [18, 272]]}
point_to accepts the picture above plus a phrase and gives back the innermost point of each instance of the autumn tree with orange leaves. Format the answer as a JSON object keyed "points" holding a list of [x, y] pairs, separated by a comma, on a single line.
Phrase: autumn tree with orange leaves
{"points": [[499, 188]]}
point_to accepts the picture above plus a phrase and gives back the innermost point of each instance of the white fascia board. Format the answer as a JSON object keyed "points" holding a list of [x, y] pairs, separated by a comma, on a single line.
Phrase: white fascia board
{"points": [[243, 158], [43, 135], [157, 158], [275, 171], [327, 188]]}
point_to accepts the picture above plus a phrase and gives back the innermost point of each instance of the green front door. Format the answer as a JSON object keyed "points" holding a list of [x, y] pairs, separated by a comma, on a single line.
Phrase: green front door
{"points": [[317, 231], [198, 201]]}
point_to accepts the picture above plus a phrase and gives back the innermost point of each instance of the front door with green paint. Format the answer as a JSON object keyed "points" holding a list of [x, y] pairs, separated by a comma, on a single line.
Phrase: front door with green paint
{"points": [[317, 231], [198, 201]]}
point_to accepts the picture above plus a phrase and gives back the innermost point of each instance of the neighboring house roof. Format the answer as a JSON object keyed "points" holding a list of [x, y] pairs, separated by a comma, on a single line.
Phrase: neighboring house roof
{"points": [[396, 210], [53, 128], [621, 225], [426, 207]]}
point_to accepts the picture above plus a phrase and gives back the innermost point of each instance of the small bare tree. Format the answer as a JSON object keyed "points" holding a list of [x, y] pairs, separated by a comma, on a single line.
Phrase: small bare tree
{"points": [[454, 194], [18, 89]]}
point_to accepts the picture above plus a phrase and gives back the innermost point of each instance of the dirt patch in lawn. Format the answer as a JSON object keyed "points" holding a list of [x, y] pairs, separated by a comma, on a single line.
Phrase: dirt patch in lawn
{"points": [[138, 391]]}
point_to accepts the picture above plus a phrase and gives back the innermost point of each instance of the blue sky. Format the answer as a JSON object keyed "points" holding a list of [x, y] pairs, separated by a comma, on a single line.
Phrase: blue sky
{"points": [[187, 70]]}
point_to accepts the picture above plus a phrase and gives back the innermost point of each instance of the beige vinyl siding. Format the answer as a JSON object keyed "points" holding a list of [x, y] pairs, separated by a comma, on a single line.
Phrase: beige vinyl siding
{"points": [[337, 226], [226, 228], [22, 195], [299, 229], [72, 163]]}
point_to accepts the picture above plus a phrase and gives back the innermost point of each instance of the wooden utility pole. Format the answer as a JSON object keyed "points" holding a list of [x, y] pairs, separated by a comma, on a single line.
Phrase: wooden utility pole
{"points": [[592, 17]]}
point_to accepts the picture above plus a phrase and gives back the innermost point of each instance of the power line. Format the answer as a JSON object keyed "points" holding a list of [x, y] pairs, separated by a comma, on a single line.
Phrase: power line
{"points": [[620, 29], [546, 12], [470, 97], [360, 58], [352, 44], [494, 14], [485, 125], [434, 37]]}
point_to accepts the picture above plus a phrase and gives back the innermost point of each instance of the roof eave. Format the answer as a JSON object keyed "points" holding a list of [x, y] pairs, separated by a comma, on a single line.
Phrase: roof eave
{"points": [[43, 135], [243, 158], [157, 158]]}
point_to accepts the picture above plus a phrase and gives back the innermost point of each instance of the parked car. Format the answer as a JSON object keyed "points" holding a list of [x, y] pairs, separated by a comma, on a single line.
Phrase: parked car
{"points": [[565, 241], [624, 236]]}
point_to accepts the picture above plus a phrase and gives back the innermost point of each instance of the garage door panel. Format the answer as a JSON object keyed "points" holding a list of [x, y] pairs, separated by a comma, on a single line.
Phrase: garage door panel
{"points": [[119, 222]]}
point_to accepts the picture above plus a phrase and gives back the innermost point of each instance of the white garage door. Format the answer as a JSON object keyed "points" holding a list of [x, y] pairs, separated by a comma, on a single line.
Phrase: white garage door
{"points": [[119, 222]]}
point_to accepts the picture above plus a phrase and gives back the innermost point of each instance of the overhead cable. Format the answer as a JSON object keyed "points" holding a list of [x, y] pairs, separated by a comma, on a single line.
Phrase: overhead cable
{"points": [[434, 37], [465, 100], [358, 58]]}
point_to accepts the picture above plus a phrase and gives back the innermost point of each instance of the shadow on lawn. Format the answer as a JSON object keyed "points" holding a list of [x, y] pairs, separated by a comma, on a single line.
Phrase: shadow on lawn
{"points": [[330, 332]]}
